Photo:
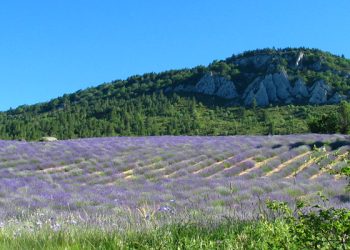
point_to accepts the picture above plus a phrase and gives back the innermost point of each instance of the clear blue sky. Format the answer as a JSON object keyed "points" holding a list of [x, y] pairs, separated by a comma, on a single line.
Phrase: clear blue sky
{"points": [[48, 48]]}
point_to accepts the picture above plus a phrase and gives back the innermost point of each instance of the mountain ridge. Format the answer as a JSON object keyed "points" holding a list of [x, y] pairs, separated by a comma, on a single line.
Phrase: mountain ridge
{"points": [[291, 82], [275, 85], [266, 62]]}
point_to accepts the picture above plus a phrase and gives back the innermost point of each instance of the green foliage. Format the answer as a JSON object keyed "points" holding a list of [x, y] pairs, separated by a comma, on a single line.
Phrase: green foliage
{"points": [[315, 227], [327, 123], [326, 228], [159, 114], [335, 122], [224, 235], [143, 104], [344, 112]]}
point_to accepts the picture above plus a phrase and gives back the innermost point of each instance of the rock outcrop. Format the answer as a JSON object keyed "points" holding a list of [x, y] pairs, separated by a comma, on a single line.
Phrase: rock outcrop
{"points": [[282, 85], [300, 57], [270, 85], [299, 91], [206, 85], [319, 92], [211, 84], [257, 61], [276, 88], [256, 92], [226, 90], [216, 85], [273, 88]]}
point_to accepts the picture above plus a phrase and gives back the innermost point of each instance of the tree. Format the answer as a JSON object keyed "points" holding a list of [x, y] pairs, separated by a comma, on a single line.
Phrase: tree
{"points": [[270, 123], [327, 123], [254, 103], [344, 112]]}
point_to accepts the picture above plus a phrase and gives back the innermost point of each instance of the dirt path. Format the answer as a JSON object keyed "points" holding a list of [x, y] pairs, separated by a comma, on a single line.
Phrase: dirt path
{"points": [[286, 163], [233, 166], [212, 165], [329, 166], [258, 165]]}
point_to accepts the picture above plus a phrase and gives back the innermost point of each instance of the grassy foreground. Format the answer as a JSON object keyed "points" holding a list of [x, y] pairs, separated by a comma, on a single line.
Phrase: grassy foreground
{"points": [[228, 235]]}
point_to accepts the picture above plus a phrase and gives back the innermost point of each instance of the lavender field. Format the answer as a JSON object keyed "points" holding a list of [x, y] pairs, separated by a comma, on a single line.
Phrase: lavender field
{"points": [[113, 182]]}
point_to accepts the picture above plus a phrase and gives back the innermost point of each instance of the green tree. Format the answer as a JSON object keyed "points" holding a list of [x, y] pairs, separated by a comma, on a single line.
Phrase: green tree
{"points": [[344, 112], [327, 123]]}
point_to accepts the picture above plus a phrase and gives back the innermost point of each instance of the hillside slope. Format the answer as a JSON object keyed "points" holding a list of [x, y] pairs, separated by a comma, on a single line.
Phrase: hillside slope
{"points": [[265, 91]]}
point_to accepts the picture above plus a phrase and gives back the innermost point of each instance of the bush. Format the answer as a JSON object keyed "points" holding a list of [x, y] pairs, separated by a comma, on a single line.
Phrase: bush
{"points": [[315, 227]]}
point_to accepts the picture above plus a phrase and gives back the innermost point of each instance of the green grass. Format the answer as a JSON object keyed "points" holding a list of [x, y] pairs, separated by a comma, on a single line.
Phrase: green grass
{"points": [[227, 235]]}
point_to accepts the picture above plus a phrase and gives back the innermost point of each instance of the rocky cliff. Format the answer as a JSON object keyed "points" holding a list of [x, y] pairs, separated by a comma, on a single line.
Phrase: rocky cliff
{"points": [[269, 79], [211, 84], [273, 88]]}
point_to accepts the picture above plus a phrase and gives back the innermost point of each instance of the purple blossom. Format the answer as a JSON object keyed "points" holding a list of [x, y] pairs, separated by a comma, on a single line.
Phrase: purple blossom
{"points": [[171, 173]]}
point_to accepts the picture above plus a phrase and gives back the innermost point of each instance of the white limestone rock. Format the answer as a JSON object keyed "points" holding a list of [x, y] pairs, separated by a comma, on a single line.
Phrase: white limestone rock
{"points": [[282, 85], [299, 59], [225, 88], [210, 84], [272, 88], [256, 91], [206, 85], [299, 90], [319, 92], [216, 85]]}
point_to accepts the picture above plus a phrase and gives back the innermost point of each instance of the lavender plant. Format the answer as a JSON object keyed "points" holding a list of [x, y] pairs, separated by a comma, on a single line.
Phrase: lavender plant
{"points": [[109, 176]]}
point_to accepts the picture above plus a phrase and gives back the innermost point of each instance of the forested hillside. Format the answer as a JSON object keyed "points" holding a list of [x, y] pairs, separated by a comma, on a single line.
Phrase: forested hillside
{"points": [[239, 95]]}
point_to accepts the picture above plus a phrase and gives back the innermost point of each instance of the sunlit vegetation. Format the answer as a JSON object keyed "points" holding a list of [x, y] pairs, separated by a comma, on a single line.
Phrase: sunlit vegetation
{"points": [[141, 104]]}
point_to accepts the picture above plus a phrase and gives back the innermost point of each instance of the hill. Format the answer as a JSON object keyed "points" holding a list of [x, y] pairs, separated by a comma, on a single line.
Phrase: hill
{"points": [[268, 91]]}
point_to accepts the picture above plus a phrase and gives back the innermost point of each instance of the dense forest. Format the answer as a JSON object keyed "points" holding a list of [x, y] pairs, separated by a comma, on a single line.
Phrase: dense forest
{"points": [[140, 105]]}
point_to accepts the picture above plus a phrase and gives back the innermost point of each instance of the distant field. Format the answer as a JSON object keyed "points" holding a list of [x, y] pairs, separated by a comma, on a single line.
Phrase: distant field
{"points": [[93, 180]]}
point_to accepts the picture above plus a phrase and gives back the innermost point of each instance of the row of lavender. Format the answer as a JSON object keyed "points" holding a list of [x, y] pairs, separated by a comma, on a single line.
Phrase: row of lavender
{"points": [[218, 175]]}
